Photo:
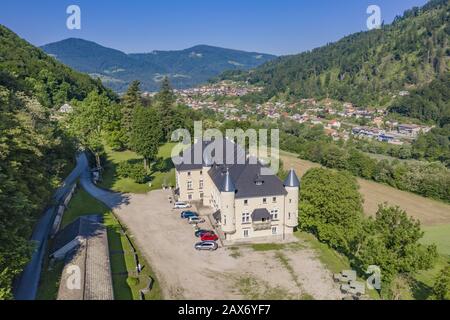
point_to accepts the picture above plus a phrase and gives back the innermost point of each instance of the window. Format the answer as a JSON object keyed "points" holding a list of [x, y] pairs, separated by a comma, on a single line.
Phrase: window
{"points": [[290, 200], [264, 200], [201, 195], [189, 185], [201, 172], [289, 215], [201, 184], [274, 230], [245, 202], [246, 217], [190, 197], [189, 173], [274, 214], [274, 199], [245, 233]]}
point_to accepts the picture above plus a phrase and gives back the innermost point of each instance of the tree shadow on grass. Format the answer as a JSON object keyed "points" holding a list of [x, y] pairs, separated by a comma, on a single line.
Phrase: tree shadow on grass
{"points": [[420, 290]]}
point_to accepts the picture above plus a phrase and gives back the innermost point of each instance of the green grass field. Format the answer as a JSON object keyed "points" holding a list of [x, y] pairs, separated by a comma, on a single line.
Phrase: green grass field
{"points": [[126, 287], [112, 182], [439, 235]]}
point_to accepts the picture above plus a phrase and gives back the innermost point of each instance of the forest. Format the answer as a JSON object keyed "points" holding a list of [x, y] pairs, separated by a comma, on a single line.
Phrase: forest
{"points": [[366, 68], [35, 152]]}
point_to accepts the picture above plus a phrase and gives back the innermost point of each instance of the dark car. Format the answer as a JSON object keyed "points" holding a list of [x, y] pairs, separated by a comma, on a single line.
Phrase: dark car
{"points": [[201, 232], [188, 214]]}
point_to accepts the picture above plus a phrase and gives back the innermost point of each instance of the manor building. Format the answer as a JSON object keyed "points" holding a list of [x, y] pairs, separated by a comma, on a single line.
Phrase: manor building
{"points": [[244, 203]]}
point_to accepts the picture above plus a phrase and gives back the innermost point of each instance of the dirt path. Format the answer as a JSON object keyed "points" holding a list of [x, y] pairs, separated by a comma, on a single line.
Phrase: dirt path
{"points": [[428, 211], [184, 273]]}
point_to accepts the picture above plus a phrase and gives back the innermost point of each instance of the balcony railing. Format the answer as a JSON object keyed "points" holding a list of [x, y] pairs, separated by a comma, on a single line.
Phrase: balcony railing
{"points": [[262, 225]]}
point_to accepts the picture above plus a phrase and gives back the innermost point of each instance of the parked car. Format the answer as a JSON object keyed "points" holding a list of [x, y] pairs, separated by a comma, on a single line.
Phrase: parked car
{"points": [[188, 214], [181, 205], [207, 245], [209, 237], [196, 220], [201, 232]]}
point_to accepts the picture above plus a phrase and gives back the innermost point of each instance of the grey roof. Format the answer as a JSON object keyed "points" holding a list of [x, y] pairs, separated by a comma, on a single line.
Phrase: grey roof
{"points": [[85, 226], [228, 184], [260, 214], [243, 173], [206, 155], [247, 180], [292, 179]]}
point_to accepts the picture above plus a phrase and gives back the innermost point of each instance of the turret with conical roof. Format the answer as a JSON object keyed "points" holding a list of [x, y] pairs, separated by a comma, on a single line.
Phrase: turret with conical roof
{"points": [[228, 184], [227, 198], [292, 186], [292, 180]]}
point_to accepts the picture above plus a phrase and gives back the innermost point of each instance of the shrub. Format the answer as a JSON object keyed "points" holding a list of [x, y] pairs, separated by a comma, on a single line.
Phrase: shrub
{"points": [[133, 281], [133, 170]]}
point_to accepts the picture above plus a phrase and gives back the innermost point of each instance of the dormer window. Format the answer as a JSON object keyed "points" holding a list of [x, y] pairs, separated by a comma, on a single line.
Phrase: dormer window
{"points": [[264, 200], [259, 181]]}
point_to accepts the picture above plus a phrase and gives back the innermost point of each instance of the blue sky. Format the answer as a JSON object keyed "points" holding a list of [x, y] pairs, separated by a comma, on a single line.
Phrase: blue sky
{"points": [[269, 26]]}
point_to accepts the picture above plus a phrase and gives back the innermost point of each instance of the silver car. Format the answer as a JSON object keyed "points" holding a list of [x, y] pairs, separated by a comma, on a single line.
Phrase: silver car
{"points": [[196, 220], [181, 205], [207, 245]]}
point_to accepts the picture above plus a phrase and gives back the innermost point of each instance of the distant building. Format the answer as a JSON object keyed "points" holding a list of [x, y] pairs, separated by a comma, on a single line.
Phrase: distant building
{"points": [[411, 130], [66, 108]]}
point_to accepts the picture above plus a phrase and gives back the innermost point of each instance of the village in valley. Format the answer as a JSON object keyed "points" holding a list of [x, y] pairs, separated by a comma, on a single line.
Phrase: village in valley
{"points": [[340, 120]]}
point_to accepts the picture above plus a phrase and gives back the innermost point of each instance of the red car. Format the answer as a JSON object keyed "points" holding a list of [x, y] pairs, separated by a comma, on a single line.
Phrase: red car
{"points": [[209, 237]]}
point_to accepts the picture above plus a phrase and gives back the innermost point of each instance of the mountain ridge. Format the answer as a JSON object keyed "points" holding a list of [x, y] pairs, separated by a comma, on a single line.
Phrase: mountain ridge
{"points": [[185, 68], [367, 68]]}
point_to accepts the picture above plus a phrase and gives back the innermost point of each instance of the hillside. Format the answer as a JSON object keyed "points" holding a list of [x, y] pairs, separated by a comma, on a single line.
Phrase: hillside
{"points": [[34, 152], [185, 68], [366, 68]]}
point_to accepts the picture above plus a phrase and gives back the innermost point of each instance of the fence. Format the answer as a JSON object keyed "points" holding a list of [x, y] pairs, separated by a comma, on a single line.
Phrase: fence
{"points": [[60, 211]]}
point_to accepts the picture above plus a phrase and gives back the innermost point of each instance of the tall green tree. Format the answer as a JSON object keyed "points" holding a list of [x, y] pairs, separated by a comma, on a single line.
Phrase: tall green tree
{"points": [[165, 106], [391, 241], [331, 207], [88, 122], [130, 101], [147, 134], [441, 288]]}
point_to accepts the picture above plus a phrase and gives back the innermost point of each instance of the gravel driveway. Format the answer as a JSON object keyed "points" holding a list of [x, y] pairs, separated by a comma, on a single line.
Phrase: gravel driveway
{"points": [[228, 273]]}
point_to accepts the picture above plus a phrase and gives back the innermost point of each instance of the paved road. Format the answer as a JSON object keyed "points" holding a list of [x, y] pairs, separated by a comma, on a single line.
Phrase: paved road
{"points": [[110, 199], [27, 284]]}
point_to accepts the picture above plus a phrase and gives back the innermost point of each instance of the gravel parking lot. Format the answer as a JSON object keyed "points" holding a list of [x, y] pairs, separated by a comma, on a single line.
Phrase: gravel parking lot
{"points": [[168, 241]]}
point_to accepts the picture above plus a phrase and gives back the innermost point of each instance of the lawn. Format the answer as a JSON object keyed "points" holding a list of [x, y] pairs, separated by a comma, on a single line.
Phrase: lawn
{"points": [[126, 283], [430, 212], [439, 235], [112, 182]]}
